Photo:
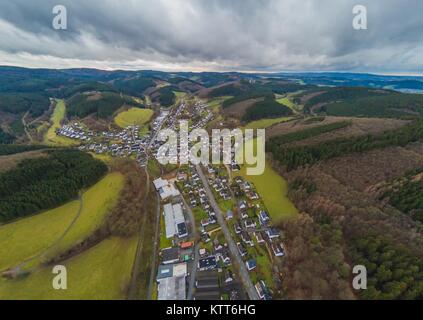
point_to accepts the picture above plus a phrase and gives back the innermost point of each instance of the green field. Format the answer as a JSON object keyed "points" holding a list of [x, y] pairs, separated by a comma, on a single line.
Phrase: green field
{"points": [[28, 238], [101, 272], [133, 116], [265, 123], [216, 103], [51, 138], [273, 191], [287, 101]]}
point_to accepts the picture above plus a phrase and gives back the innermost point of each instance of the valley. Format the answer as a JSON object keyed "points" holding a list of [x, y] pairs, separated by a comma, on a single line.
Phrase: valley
{"points": [[82, 187]]}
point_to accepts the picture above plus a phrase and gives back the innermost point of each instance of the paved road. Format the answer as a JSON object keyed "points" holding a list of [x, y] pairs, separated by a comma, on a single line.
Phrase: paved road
{"points": [[245, 277]]}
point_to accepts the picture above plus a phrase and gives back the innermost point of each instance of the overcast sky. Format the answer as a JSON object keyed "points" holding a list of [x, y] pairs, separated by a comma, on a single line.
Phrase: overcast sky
{"points": [[219, 35]]}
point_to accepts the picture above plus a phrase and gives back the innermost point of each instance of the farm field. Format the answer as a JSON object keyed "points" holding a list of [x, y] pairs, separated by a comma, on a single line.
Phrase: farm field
{"points": [[101, 272], [50, 137], [133, 116], [22, 240]]}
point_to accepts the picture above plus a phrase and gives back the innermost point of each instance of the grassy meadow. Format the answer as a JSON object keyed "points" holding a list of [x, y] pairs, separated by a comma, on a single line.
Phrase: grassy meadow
{"points": [[273, 190], [133, 116], [34, 236], [101, 272], [51, 138]]}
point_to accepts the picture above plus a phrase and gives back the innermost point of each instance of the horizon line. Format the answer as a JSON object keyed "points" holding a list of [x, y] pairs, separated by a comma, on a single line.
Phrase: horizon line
{"points": [[376, 73]]}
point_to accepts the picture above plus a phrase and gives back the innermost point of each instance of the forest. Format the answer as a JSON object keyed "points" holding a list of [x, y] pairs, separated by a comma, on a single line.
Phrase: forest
{"points": [[341, 94], [268, 108], [308, 133], [134, 87], [17, 103], [392, 105], [37, 184], [91, 86], [392, 271], [406, 194], [6, 138], [294, 157], [104, 107], [166, 96]]}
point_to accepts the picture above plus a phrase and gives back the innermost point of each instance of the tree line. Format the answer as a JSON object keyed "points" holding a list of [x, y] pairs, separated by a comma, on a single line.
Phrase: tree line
{"points": [[8, 149], [307, 133], [39, 184], [268, 108], [295, 157], [6, 138]]}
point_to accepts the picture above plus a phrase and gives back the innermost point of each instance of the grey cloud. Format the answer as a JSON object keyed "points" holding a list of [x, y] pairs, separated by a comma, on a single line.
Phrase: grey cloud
{"points": [[269, 35]]}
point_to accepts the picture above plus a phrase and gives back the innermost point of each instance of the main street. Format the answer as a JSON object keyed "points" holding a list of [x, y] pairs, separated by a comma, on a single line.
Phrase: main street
{"points": [[245, 277]]}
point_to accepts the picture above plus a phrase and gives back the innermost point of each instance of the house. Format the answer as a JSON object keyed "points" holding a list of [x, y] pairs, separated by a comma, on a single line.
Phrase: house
{"points": [[272, 233], [264, 218], [217, 245], [208, 263], [170, 255], [225, 257], [202, 252], [182, 176], [251, 264], [228, 276], [259, 237], [249, 223], [246, 238], [241, 249], [277, 249], [262, 290], [242, 205], [237, 228], [229, 215], [205, 237], [205, 222]]}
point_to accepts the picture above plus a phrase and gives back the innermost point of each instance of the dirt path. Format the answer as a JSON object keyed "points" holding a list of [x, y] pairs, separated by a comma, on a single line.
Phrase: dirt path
{"points": [[56, 242], [31, 140]]}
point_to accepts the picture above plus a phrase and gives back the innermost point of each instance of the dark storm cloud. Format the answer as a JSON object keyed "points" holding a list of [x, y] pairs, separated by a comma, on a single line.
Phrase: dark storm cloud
{"points": [[268, 35]]}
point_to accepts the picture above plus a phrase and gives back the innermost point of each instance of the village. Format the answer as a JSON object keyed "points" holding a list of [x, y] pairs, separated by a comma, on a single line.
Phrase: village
{"points": [[216, 236]]}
